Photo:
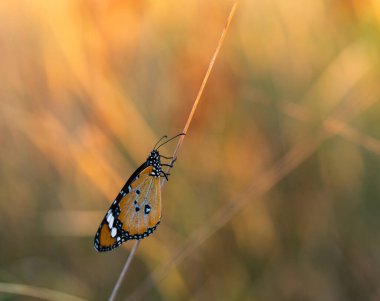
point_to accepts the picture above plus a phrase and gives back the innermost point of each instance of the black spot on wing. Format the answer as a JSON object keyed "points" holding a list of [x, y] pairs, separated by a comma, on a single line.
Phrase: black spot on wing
{"points": [[147, 209]]}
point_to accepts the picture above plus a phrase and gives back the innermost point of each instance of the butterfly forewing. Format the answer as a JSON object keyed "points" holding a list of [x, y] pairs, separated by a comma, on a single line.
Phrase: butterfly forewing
{"points": [[109, 234], [140, 209], [104, 240]]}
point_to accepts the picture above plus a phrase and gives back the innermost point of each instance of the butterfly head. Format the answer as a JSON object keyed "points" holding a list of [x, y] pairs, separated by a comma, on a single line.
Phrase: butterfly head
{"points": [[154, 160]]}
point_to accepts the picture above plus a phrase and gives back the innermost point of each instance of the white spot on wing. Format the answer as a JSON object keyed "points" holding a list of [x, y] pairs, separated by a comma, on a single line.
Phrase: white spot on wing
{"points": [[110, 220], [113, 232]]}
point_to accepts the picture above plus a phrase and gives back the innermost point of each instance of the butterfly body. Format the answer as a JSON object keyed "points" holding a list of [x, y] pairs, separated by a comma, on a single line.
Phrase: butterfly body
{"points": [[136, 210]]}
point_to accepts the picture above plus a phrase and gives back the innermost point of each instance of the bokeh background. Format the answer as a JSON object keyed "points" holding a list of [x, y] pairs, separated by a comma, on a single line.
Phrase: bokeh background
{"points": [[275, 194]]}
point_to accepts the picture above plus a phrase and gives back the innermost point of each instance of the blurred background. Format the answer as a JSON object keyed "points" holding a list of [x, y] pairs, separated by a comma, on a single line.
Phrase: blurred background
{"points": [[275, 194]]}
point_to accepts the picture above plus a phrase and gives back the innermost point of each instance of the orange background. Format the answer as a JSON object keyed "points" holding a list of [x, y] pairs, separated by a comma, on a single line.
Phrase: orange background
{"points": [[275, 194]]}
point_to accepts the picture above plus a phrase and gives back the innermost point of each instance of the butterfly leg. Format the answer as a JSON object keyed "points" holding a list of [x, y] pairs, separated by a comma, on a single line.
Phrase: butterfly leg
{"points": [[164, 174], [171, 163], [168, 157]]}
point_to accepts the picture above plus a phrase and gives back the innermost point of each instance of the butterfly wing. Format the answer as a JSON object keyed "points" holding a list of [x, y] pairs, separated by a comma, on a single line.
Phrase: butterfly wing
{"points": [[140, 209], [107, 239], [109, 235]]}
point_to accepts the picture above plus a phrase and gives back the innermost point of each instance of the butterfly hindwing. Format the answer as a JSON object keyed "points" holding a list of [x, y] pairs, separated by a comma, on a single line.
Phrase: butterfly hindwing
{"points": [[140, 209]]}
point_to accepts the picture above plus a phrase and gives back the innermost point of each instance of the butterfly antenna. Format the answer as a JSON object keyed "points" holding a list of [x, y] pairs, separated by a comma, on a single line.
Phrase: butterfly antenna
{"points": [[181, 134], [163, 137]]}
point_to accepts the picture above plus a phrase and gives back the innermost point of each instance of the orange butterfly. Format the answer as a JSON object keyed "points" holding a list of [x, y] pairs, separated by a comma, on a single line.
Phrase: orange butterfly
{"points": [[136, 211]]}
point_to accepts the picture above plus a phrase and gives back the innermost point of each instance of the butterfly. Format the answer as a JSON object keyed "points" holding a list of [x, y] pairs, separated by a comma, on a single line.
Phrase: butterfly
{"points": [[136, 211]]}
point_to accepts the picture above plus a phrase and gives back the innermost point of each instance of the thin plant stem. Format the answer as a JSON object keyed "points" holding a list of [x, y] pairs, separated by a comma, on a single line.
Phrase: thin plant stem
{"points": [[124, 271], [203, 85], [180, 141]]}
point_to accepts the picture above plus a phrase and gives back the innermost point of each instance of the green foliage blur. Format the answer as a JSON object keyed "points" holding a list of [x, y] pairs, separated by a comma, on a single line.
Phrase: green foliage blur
{"points": [[275, 194]]}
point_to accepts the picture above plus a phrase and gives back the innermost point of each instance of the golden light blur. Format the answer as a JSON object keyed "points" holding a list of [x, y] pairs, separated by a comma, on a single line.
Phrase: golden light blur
{"points": [[275, 194]]}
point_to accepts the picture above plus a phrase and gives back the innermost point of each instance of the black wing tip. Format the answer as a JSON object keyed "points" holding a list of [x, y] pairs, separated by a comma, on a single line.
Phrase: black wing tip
{"points": [[100, 248], [103, 249]]}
